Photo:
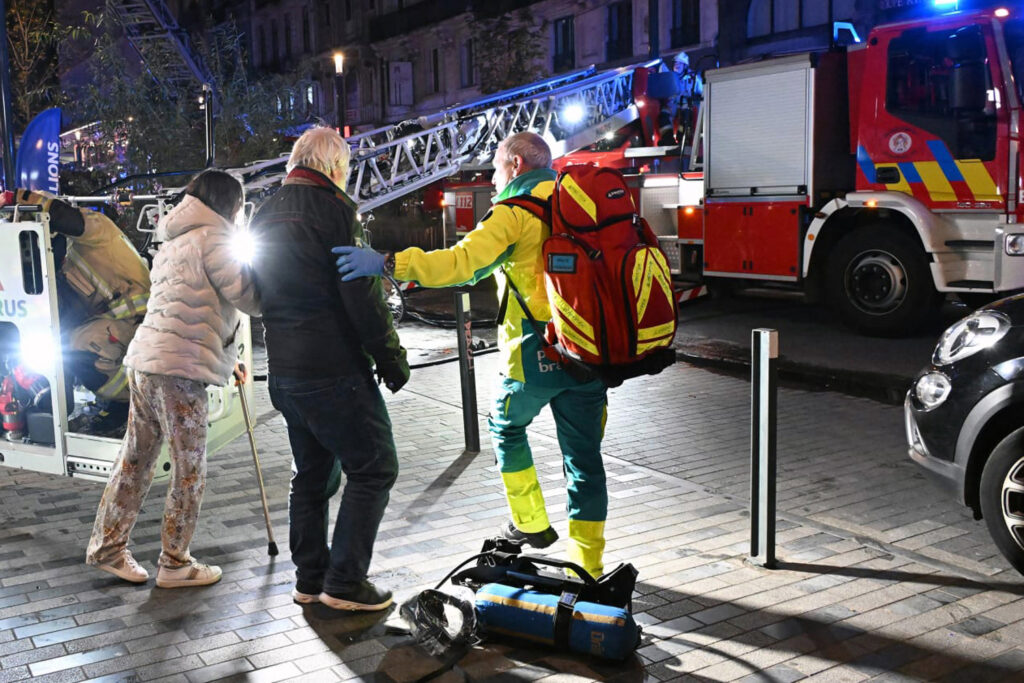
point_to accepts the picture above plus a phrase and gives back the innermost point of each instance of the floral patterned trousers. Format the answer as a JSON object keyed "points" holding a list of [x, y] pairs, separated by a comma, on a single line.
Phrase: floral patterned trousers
{"points": [[161, 407]]}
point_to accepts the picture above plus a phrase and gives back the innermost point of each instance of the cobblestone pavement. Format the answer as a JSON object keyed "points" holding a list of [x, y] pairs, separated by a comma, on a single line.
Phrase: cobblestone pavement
{"points": [[881, 577]]}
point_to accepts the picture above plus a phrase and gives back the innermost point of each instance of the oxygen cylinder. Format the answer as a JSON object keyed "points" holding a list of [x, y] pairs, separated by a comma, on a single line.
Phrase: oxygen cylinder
{"points": [[585, 627], [13, 420]]}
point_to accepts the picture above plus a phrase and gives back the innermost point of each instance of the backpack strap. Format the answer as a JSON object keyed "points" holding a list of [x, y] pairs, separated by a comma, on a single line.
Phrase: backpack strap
{"points": [[541, 208]]}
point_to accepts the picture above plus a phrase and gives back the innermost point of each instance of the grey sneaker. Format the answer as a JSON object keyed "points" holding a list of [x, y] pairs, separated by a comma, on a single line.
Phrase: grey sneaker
{"points": [[125, 567], [194, 574], [537, 539]]}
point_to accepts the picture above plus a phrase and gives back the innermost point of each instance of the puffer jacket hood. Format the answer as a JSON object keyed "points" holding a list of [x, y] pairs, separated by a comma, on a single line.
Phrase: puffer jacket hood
{"points": [[190, 213], [191, 326]]}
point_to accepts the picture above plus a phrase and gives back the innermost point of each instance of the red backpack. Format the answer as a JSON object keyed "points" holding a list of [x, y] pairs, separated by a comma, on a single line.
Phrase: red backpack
{"points": [[613, 312]]}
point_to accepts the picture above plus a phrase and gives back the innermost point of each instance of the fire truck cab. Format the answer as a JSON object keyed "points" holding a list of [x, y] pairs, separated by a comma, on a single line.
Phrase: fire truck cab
{"points": [[30, 334]]}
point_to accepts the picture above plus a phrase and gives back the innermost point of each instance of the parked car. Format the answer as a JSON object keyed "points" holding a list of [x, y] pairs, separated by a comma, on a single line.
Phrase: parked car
{"points": [[964, 417]]}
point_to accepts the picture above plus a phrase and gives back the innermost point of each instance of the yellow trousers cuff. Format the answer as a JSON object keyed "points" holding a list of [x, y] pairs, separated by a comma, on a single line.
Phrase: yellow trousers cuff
{"points": [[586, 545], [525, 500]]}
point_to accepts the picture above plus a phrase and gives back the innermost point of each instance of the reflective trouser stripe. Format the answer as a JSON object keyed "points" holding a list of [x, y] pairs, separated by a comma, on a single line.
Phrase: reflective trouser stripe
{"points": [[586, 545], [115, 385], [525, 500]]}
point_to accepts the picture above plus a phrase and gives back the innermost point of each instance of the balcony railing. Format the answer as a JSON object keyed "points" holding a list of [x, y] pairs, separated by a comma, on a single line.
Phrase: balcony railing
{"points": [[435, 11]]}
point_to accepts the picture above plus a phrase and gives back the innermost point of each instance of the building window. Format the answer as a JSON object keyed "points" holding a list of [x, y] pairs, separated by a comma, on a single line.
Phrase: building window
{"points": [[435, 69], [685, 23], [274, 54], [263, 45], [620, 31], [467, 69], [306, 38], [766, 17], [348, 10], [287, 36], [565, 44]]}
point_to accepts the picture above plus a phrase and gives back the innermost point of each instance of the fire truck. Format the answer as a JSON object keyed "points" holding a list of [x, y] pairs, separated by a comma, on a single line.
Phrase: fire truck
{"points": [[878, 177], [881, 176]]}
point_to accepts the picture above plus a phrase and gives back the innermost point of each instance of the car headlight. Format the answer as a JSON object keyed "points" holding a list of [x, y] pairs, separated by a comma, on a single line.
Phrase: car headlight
{"points": [[932, 389], [976, 332], [1014, 244]]}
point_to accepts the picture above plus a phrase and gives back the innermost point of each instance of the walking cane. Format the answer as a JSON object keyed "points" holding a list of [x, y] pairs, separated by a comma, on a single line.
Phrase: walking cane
{"points": [[271, 545]]}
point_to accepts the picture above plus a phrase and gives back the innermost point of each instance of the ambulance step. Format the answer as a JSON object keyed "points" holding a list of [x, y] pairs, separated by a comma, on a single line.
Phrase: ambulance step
{"points": [[88, 468]]}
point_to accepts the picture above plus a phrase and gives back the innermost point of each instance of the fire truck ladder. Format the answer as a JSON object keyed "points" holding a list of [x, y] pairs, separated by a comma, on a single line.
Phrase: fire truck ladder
{"points": [[155, 35], [569, 111]]}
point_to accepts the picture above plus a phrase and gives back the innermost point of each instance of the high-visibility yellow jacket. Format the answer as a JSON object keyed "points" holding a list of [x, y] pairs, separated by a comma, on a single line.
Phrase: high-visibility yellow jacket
{"points": [[508, 239]]}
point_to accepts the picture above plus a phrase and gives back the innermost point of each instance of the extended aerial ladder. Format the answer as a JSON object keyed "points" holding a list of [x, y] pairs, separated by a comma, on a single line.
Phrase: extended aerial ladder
{"points": [[155, 35], [570, 111]]}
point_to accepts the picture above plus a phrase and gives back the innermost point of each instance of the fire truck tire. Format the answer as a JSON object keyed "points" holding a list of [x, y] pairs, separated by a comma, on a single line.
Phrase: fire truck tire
{"points": [[1001, 495], [880, 283]]}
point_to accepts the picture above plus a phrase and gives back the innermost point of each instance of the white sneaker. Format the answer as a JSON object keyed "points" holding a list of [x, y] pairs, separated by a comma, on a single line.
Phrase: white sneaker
{"points": [[125, 567], [194, 574]]}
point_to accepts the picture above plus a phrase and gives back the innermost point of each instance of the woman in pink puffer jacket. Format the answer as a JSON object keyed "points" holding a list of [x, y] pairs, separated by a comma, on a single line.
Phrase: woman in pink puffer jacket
{"points": [[186, 342]]}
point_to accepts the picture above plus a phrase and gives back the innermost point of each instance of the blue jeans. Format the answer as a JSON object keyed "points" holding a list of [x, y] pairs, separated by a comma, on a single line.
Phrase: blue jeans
{"points": [[335, 423]]}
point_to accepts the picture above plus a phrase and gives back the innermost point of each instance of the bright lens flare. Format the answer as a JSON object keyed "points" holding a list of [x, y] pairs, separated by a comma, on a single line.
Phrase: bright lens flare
{"points": [[39, 353], [1002, 12], [573, 114], [243, 246]]}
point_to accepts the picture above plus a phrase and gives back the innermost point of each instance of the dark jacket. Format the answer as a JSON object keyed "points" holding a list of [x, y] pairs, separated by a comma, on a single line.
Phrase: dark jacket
{"points": [[316, 325]]}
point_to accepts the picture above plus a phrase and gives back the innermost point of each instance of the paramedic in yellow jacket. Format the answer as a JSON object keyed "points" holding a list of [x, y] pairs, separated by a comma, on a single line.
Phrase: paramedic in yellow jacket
{"points": [[103, 289], [507, 242]]}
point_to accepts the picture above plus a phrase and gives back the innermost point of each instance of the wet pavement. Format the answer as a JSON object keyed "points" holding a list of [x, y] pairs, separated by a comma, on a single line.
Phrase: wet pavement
{"points": [[881, 577]]}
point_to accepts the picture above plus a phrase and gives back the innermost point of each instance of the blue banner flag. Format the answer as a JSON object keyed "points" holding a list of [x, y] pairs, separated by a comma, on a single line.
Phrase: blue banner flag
{"points": [[38, 160]]}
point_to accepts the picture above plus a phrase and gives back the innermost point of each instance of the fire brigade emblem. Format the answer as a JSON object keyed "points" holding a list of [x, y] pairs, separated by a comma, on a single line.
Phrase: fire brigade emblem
{"points": [[900, 143]]}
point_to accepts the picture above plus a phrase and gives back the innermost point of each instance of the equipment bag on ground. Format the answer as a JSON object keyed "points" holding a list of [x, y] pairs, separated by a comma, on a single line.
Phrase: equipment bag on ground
{"points": [[608, 282], [523, 599]]}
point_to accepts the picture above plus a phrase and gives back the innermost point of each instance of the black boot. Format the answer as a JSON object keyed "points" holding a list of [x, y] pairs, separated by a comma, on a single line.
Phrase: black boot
{"points": [[537, 539]]}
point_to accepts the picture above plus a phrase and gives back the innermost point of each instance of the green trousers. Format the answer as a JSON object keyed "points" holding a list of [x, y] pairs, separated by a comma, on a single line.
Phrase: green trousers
{"points": [[580, 411]]}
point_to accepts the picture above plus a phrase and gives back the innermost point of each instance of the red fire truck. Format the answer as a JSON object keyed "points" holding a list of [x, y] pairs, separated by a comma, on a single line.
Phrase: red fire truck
{"points": [[880, 177]]}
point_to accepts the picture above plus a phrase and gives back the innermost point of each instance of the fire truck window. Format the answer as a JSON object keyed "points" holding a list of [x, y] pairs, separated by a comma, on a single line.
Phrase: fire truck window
{"points": [[940, 82], [31, 262]]}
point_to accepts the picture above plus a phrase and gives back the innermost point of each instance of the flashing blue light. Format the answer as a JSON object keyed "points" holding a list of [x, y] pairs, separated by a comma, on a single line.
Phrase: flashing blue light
{"points": [[946, 4]]}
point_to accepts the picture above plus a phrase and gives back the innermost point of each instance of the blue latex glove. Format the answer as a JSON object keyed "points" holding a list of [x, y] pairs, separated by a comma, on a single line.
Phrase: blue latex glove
{"points": [[358, 262]]}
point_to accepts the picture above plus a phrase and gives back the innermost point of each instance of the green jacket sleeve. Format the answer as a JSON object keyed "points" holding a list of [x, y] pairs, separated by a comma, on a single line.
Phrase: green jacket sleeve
{"points": [[473, 258]]}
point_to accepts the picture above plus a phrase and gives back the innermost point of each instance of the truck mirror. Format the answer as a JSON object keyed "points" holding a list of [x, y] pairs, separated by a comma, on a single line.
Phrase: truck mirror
{"points": [[968, 89]]}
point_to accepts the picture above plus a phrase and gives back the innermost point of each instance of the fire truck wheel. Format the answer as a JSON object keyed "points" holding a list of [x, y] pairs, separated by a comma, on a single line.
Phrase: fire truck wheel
{"points": [[879, 281], [1002, 497]]}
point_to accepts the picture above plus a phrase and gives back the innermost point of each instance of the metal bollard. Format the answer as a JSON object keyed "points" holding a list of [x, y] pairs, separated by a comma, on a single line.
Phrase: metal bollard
{"points": [[467, 375], [764, 353]]}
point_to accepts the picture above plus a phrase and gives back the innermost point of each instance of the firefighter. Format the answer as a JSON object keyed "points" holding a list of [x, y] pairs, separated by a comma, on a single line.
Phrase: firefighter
{"points": [[507, 242], [102, 289]]}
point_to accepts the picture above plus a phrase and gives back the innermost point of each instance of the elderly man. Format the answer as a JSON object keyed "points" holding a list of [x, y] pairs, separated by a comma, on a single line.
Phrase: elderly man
{"points": [[508, 240], [323, 338]]}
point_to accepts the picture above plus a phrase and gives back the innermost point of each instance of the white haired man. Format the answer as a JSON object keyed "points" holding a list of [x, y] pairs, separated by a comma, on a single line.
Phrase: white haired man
{"points": [[507, 242], [321, 334]]}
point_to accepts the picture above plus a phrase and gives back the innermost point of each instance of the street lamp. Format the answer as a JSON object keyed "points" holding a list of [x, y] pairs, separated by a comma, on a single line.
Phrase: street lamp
{"points": [[339, 89]]}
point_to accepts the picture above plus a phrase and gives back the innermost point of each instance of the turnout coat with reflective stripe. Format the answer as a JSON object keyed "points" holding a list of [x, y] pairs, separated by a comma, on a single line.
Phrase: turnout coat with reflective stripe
{"points": [[103, 267]]}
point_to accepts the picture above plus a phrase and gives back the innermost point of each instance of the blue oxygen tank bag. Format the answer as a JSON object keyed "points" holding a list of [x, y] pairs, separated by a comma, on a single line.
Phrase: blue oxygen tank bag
{"points": [[558, 621], [519, 596]]}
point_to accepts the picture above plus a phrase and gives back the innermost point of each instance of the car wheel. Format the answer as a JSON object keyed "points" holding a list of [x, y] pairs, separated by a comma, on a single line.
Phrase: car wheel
{"points": [[879, 281], [1002, 497]]}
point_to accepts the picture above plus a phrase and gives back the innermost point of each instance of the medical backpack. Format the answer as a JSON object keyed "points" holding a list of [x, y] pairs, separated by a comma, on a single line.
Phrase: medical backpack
{"points": [[613, 311]]}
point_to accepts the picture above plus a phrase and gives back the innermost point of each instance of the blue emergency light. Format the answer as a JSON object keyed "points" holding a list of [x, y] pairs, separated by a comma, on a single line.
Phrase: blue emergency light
{"points": [[946, 4]]}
